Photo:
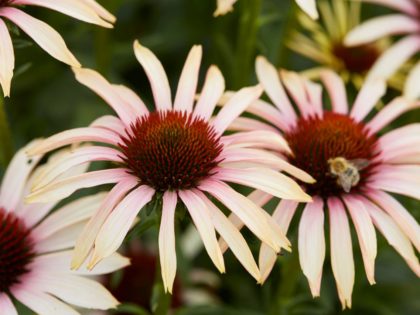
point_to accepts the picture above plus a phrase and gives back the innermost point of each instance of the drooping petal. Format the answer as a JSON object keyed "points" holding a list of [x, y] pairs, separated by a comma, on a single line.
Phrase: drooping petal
{"points": [[43, 34], [167, 252], [311, 244], [214, 86], [157, 76], [202, 220], [365, 233], [86, 239], [118, 223], [101, 11], [342, 262], [336, 90], [367, 98], [6, 305], [76, 9], [188, 81], [7, 57]]}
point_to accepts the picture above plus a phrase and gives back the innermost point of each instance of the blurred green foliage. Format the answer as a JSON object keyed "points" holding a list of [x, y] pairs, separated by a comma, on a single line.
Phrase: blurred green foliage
{"points": [[46, 99]]}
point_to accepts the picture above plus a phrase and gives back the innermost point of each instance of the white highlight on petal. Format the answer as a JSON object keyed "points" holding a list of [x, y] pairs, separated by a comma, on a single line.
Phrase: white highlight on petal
{"points": [[309, 7], [223, 7]]}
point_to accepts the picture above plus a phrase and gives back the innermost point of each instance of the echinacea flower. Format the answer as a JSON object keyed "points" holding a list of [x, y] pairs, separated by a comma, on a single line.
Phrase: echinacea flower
{"points": [[323, 42], [35, 249], [356, 169], [177, 151], [406, 23], [43, 34], [308, 6]]}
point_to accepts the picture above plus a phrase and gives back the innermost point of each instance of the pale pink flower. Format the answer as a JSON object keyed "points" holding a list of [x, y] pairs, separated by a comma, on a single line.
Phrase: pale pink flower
{"points": [[35, 249], [355, 167], [178, 151], [43, 34], [308, 6], [406, 23]]}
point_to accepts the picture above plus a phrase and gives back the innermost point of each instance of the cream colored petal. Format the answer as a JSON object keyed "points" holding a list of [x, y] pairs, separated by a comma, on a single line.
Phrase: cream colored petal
{"points": [[7, 56], [309, 6], [223, 7]]}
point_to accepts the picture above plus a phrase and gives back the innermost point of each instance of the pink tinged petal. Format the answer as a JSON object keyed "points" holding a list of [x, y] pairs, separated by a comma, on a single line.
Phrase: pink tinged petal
{"points": [[214, 86], [74, 212], [6, 305], [257, 139], [336, 90], [132, 99], [390, 112], [118, 223], [394, 57], [235, 107], [16, 177], [283, 215], [63, 188], [311, 244], [101, 11], [250, 214], [223, 7], [261, 157], [400, 142], [368, 97], [394, 236], [41, 302], [399, 214], [157, 76], [250, 124], [43, 34], [314, 95], [7, 57], [187, 85], [203, 222], [309, 7], [268, 76], [412, 86], [73, 136], [76, 9], [365, 233], [407, 6], [167, 252], [76, 290], [371, 30], [75, 157], [264, 179], [231, 235], [342, 262], [98, 84], [110, 123], [87, 238], [59, 262]]}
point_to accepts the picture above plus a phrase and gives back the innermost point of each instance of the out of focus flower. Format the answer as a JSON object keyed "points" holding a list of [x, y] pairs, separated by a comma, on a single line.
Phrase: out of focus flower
{"points": [[308, 6], [177, 152], [323, 42], [43, 34], [356, 169], [35, 249], [405, 23]]}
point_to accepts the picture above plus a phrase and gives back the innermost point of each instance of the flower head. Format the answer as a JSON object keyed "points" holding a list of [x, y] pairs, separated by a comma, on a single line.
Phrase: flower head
{"points": [[405, 23], [43, 34], [355, 167], [35, 249], [178, 151]]}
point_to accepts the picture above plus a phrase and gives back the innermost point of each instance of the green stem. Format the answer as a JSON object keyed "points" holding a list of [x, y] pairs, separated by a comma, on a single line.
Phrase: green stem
{"points": [[6, 148], [161, 300], [247, 37]]}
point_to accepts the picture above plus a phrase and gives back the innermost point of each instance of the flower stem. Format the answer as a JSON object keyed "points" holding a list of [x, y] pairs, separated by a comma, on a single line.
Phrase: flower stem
{"points": [[6, 145], [161, 300]]}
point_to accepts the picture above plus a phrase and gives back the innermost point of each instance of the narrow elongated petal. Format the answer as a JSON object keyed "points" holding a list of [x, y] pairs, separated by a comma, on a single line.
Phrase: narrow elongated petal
{"points": [[117, 225], [312, 244], [257, 139], [63, 188], [76, 9], [214, 86], [43, 34], [336, 90], [132, 99], [7, 57], [157, 76], [188, 81], [412, 86], [167, 253], [235, 107], [86, 239], [342, 262], [407, 6], [111, 123], [101, 11], [6, 305], [202, 220], [365, 233], [367, 98]]}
